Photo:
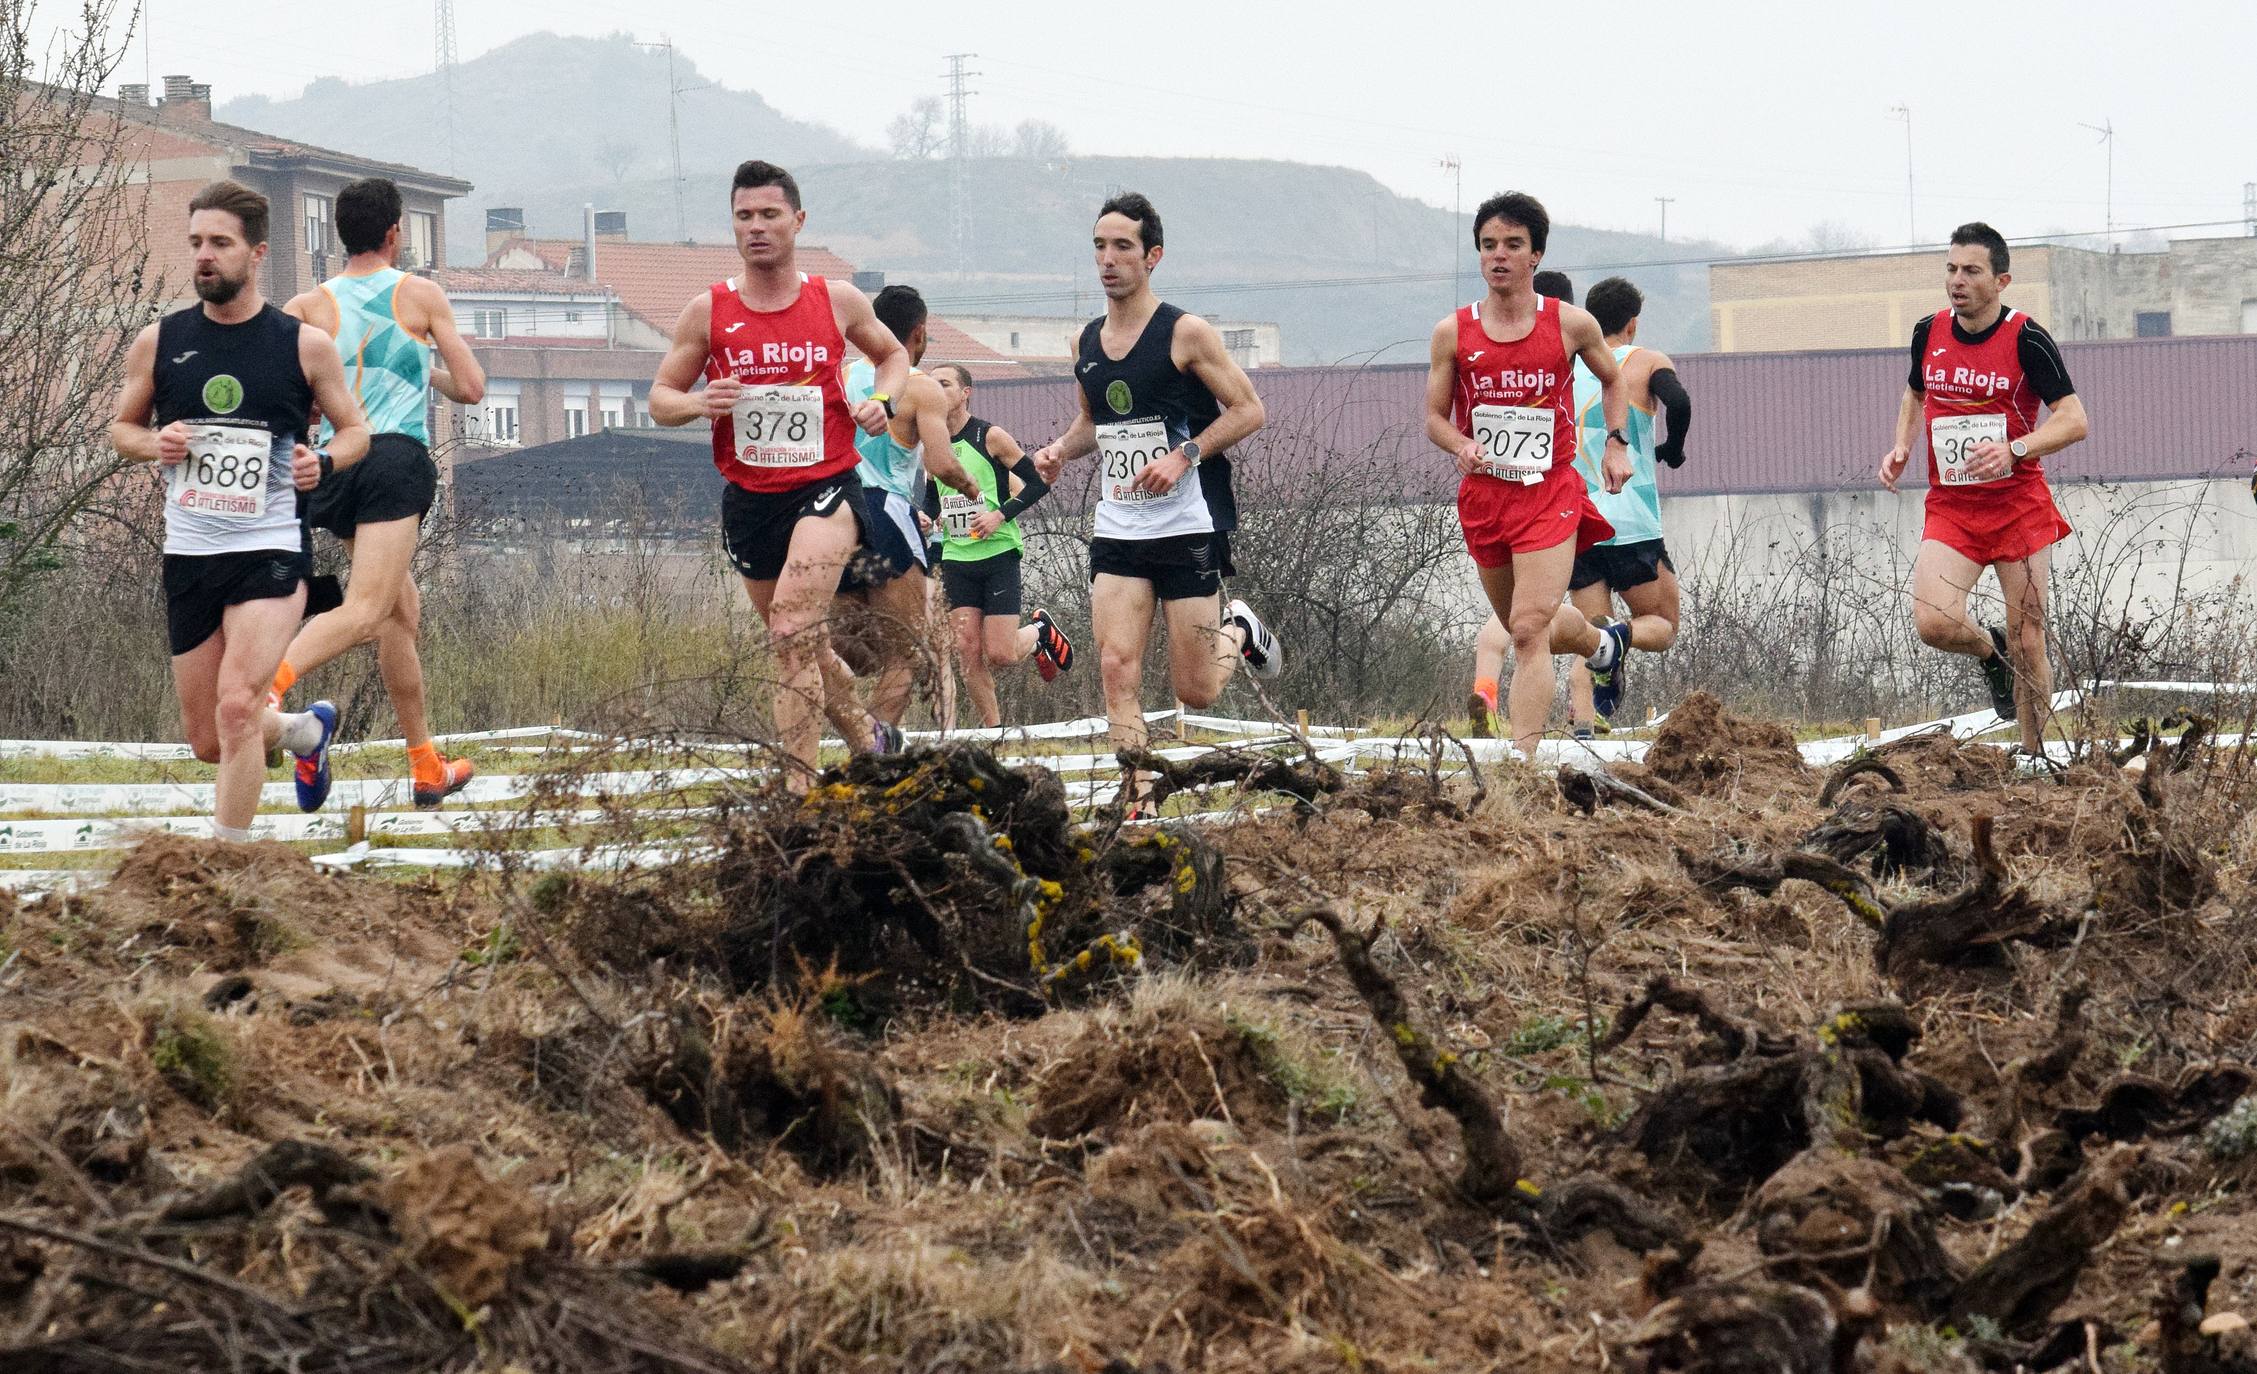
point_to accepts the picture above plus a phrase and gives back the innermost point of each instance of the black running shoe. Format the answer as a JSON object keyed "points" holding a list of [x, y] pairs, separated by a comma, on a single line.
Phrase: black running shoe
{"points": [[1607, 684], [1998, 675]]}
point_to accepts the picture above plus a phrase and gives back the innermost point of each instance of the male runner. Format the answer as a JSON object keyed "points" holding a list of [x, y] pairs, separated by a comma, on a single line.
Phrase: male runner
{"points": [[1498, 400], [889, 574], [1634, 564], [1491, 645], [772, 346], [981, 549], [229, 383], [1979, 373], [1161, 402], [385, 323]]}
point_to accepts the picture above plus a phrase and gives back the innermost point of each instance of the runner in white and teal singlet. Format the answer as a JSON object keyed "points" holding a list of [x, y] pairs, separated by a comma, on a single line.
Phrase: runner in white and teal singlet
{"points": [[388, 368], [1635, 511]]}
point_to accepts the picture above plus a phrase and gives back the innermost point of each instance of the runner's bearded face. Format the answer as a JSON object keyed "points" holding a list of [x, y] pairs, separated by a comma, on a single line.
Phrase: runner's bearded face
{"points": [[1973, 287], [1123, 263], [223, 261], [766, 225], [1507, 259]]}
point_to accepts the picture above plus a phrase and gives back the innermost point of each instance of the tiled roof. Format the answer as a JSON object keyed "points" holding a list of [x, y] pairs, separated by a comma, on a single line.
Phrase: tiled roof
{"points": [[655, 280], [525, 280]]}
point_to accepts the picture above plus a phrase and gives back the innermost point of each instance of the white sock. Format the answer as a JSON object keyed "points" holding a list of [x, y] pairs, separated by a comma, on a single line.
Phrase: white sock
{"points": [[1604, 656], [230, 833], [301, 732]]}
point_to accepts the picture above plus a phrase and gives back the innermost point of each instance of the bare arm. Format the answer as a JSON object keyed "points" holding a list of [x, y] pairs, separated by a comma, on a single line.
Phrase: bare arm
{"points": [[1197, 348], [317, 354], [130, 433], [1907, 429], [458, 377], [1441, 395], [2064, 425], [1589, 342], [671, 400], [850, 309], [925, 400]]}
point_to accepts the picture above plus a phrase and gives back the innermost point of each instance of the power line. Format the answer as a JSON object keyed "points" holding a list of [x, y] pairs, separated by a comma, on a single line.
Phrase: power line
{"points": [[959, 151], [443, 61]]}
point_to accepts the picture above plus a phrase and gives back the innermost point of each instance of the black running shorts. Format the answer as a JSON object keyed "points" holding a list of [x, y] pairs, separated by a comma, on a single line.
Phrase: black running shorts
{"points": [[1180, 567], [199, 587], [1620, 566], [988, 585], [394, 480], [891, 543], [756, 526]]}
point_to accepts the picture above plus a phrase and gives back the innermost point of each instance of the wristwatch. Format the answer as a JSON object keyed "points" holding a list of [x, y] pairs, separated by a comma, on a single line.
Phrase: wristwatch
{"points": [[328, 464], [884, 400], [1192, 453], [1618, 437], [2019, 449]]}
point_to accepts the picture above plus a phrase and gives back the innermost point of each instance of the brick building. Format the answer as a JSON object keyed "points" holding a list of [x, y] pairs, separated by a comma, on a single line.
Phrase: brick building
{"points": [[2190, 286]]}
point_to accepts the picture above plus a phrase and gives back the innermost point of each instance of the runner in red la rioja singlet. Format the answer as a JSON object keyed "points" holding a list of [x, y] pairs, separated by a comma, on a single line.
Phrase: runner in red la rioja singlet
{"points": [[771, 345]]}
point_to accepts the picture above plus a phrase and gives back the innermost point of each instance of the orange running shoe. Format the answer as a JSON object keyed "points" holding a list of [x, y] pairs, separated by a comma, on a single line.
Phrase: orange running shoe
{"points": [[429, 794]]}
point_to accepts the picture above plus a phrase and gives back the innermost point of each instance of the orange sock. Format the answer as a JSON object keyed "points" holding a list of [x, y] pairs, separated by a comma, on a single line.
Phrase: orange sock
{"points": [[425, 765], [285, 677], [1486, 689]]}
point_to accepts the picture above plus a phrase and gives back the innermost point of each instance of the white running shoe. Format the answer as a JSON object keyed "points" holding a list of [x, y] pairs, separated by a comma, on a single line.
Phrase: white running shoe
{"points": [[1265, 657]]}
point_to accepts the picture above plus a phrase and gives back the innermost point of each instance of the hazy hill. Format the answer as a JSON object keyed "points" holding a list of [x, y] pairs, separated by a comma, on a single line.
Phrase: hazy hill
{"points": [[1345, 265]]}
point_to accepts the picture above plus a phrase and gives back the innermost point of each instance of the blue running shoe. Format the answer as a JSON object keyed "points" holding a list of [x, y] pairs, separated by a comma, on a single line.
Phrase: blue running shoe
{"points": [[313, 768], [1606, 687]]}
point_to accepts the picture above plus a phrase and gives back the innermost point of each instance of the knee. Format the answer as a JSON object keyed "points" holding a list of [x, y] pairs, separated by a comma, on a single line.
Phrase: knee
{"points": [[2029, 639], [796, 636], [1120, 670], [237, 713], [1002, 657], [204, 744], [1531, 631], [1936, 629], [1666, 638]]}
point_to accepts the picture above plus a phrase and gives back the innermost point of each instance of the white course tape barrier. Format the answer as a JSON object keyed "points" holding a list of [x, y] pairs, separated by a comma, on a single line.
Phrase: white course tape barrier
{"points": [[173, 798], [612, 856], [74, 833], [177, 753]]}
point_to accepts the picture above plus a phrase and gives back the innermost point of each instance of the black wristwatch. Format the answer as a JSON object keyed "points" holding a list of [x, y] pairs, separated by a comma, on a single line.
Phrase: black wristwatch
{"points": [[1619, 437], [328, 464], [1192, 453]]}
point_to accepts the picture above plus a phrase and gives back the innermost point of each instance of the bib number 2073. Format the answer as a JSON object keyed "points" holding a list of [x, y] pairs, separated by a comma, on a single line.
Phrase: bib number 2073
{"points": [[779, 426], [1126, 451], [1954, 437], [225, 471], [1516, 441]]}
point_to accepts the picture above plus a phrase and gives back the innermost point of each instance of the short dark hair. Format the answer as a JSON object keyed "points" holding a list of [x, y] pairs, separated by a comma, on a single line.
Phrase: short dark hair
{"points": [[1982, 235], [900, 309], [366, 211], [1614, 303], [754, 174], [1554, 284], [238, 200], [1131, 205], [963, 373], [1515, 207]]}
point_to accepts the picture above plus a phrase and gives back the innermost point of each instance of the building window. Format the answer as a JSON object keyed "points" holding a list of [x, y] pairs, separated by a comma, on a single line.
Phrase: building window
{"points": [[490, 324], [2152, 324], [615, 413], [571, 317], [575, 419], [1014, 341], [497, 421], [1238, 340], [317, 224], [421, 245]]}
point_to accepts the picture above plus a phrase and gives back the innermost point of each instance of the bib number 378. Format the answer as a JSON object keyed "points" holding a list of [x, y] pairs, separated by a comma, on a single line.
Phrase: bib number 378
{"points": [[224, 473], [1516, 441], [1953, 439], [779, 426], [1127, 449]]}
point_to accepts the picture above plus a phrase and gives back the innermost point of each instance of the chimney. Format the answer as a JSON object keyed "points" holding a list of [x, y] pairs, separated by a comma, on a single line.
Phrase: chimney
{"points": [[611, 224], [186, 96], [588, 241], [503, 223], [134, 96], [869, 283]]}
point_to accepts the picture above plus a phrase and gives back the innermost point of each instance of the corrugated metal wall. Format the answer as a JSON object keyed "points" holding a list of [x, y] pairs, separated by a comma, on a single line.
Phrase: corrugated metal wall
{"points": [[1765, 422]]}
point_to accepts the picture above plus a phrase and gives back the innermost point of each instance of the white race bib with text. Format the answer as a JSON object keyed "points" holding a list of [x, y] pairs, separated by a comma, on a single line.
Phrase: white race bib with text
{"points": [[1952, 438], [1516, 441], [779, 426], [1127, 448], [224, 473]]}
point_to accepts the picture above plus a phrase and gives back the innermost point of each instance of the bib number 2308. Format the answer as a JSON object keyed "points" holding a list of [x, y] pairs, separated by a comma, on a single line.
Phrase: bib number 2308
{"points": [[225, 471], [1127, 450], [1516, 441], [1954, 437], [779, 426]]}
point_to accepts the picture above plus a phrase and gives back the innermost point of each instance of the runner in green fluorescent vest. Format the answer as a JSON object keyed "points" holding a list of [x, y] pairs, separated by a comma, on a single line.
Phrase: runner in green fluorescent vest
{"points": [[981, 550]]}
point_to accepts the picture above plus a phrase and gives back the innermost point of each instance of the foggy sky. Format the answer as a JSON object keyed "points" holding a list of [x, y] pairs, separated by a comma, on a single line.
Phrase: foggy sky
{"points": [[1760, 119]]}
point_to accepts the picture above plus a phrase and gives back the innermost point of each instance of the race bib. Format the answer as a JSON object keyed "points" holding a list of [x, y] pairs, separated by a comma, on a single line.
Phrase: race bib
{"points": [[1516, 441], [958, 511], [224, 473], [1952, 438], [779, 426], [1126, 449]]}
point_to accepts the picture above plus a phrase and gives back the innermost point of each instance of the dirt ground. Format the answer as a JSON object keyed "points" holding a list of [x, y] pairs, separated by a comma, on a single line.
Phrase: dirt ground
{"points": [[1941, 1073]]}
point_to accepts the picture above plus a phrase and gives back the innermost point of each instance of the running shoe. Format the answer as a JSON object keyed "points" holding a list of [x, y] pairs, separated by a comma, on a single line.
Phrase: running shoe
{"points": [[1483, 713], [1264, 656], [313, 769], [1998, 675], [459, 774], [1607, 685], [1053, 652]]}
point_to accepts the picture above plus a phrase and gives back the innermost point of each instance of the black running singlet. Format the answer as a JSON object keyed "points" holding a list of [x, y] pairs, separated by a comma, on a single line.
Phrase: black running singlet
{"points": [[1144, 406]]}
